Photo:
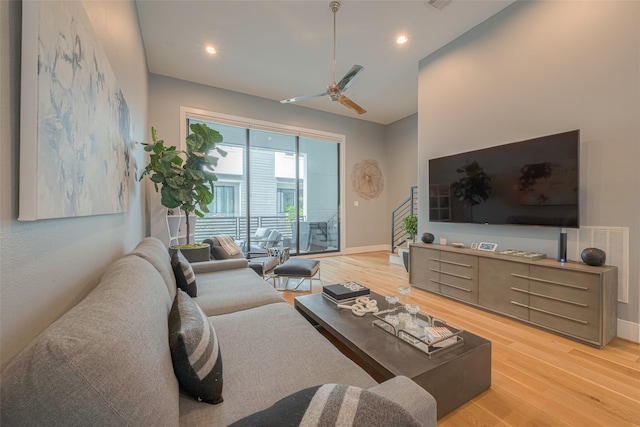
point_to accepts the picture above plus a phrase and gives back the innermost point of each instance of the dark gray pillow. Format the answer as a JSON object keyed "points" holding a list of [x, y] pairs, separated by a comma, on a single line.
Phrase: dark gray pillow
{"points": [[185, 277], [195, 351]]}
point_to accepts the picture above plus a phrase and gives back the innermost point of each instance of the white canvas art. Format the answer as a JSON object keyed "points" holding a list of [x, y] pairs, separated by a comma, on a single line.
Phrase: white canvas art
{"points": [[75, 130]]}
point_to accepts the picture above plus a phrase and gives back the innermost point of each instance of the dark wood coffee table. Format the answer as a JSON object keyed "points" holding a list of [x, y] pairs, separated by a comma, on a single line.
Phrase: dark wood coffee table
{"points": [[453, 376]]}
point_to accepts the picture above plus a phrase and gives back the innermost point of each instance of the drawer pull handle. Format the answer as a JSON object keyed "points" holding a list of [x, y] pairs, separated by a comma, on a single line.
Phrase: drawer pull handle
{"points": [[549, 313], [536, 279], [455, 287], [456, 275], [557, 299], [519, 304], [456, 263], [449, 285], [579, 304]]}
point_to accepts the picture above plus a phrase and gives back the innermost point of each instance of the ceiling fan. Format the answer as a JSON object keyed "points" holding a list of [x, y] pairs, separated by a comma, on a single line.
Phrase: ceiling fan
{"points": [[335, 90]]}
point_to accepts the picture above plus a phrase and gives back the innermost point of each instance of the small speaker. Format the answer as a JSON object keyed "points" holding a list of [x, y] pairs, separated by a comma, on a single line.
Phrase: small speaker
{"points": [[562, 247]]}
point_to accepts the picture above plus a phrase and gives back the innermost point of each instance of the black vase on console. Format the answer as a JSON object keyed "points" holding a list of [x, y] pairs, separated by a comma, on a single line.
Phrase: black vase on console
{"points": [[427, 237], [593, 256]]}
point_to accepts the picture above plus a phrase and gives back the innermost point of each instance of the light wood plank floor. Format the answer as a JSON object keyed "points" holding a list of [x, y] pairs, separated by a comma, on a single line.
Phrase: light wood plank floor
{"points": [[538, 379]]}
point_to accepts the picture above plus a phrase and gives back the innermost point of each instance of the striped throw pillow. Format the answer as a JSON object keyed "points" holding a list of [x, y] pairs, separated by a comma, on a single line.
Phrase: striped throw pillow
{"points": [[332, 405], [195, 351], [185, 277]]}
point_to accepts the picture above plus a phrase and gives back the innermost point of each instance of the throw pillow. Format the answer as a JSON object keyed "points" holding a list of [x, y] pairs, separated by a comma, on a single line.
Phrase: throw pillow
{"points": [[329, 405], [218, 252], [185, 277], [195, 351]]}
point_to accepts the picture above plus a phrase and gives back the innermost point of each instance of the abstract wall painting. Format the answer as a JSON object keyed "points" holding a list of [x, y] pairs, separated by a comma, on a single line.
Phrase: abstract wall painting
{"points": [[75, 125]]}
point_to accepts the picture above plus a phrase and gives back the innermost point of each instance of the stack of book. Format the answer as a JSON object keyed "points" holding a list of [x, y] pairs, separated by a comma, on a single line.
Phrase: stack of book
{"points": [[342, 293], [437, 332]]}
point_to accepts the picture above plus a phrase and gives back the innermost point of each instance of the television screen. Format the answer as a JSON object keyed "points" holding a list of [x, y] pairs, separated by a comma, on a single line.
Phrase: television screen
{"points": [[532, 182]]}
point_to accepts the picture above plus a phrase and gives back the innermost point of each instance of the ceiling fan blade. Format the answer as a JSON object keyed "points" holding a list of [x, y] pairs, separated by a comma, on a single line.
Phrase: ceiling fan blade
{"points": [[300, 98], [349, 103], [350, 77]]}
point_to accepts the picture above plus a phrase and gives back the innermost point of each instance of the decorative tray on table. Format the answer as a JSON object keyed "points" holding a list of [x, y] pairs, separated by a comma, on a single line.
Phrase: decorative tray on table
{"points": [[420, 330]]}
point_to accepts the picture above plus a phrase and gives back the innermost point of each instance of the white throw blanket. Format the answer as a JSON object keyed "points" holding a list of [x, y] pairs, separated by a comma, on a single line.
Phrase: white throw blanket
{"points": [[228, 244]]}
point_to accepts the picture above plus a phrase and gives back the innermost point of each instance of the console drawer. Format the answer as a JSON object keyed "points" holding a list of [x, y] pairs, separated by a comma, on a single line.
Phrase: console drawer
{"points": [[424, 268], [565, 301], [459, 276], [504, 287]]}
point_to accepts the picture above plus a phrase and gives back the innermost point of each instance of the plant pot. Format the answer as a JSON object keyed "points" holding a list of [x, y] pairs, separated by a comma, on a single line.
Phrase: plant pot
{"points": [[197, 252], [405, 260], [410, 240]]}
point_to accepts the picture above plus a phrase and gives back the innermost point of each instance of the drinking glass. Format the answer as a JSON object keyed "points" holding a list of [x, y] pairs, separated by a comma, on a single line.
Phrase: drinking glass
{"points": [[392, 300], [413, 310], [403, 316], [404, 290], [391, 316]]}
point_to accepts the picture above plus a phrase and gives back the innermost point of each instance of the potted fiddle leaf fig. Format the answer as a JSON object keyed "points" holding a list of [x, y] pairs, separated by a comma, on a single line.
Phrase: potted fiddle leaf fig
{"points": [[186, 178], [410, 226]]}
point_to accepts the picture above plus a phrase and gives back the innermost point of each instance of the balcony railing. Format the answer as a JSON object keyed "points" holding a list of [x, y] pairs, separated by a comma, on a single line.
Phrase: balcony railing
{"points": [[237, 226], [319, 236]]}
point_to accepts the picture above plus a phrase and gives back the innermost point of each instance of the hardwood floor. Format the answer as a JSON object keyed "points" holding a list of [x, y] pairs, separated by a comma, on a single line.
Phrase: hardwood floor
{"points": [[538, 379]]}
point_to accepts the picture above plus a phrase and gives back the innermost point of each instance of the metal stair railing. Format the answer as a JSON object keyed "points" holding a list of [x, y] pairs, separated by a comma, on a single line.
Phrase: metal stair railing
{"points": [[408, 207]]}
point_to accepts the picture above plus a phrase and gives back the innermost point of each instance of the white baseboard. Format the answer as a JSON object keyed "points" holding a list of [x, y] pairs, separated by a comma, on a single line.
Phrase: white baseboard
{"points": [[629, 330]]}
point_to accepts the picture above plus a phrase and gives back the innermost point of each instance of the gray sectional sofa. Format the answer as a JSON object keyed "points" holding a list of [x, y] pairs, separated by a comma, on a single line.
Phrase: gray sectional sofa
{"points": [[107, 361]]}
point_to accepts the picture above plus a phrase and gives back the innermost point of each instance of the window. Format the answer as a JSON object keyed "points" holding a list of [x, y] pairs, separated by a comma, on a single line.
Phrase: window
{"points": [[286, 199], [276, 177], [224, 200]]}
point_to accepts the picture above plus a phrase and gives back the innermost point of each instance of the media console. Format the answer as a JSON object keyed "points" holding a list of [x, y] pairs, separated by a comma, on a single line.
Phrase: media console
{"points": [[570, 299]]}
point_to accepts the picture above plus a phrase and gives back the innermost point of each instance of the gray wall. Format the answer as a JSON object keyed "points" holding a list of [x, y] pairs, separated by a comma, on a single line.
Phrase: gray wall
{"points": [[534, 69], [366, 224], [402, 159], [47, 266]]}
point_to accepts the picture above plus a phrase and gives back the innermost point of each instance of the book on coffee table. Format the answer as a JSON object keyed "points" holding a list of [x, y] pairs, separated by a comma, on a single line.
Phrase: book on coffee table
{"points": [[345, 291]]}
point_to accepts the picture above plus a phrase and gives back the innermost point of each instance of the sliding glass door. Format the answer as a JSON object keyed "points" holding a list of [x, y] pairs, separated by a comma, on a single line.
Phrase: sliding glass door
{"points": [[272, 190], [320, 225], [275, 189]]}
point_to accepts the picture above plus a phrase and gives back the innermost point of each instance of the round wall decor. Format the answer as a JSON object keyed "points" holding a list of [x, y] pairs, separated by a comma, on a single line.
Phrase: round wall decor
{"points": [[367, 179]]}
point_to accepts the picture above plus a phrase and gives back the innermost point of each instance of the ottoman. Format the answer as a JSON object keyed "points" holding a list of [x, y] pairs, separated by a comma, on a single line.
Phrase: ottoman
{"points": [[298, 268]]}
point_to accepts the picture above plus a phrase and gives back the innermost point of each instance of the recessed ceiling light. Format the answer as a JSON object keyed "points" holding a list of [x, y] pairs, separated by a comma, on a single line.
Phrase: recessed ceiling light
{"points": [[210, 50], [402, 39]]}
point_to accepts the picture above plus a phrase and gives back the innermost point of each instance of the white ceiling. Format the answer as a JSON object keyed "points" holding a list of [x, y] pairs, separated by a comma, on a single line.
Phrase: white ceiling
{"points": [[283, 49]]}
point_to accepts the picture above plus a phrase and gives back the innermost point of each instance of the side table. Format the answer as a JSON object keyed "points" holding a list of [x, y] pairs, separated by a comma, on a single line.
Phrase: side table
{"points": [[281, 253]]}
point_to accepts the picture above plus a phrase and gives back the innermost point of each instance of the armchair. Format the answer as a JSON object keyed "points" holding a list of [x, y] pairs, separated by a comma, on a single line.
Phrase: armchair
{"points": [[272, 240]]}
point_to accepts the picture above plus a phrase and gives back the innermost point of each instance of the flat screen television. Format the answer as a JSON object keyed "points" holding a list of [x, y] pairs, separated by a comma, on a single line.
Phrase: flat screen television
{"points": [[532, 182]]}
